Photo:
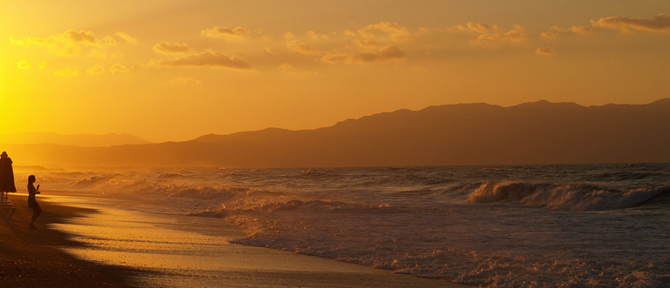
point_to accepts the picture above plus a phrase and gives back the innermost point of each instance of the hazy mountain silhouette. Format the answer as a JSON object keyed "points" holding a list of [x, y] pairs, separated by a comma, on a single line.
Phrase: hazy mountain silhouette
{"points": [[462, 134], [82, 140]]}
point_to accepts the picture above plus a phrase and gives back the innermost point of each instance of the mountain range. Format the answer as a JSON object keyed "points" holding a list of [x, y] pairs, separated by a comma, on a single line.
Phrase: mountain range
{"points": [[460, 134]]}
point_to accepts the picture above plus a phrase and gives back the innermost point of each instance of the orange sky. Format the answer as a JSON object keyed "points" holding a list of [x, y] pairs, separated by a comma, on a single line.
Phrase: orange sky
{"points": [[173, 70]]}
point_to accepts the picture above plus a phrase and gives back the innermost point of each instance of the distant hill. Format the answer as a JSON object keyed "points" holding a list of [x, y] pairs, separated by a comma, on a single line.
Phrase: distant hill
{"points": [[462, 134], [81, 140]]}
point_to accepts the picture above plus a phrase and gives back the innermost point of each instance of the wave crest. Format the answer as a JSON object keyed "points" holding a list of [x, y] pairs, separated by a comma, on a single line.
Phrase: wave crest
{"points": [[563, 197]]}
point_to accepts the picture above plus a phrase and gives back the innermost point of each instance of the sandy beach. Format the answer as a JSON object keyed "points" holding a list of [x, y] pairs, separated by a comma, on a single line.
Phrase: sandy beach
{"points": [[32, 258], [90, 242]]}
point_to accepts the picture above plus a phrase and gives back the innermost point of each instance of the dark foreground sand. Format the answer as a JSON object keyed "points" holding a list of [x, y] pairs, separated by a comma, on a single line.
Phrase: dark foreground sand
{"points": [[35, 258], [30, 257]]}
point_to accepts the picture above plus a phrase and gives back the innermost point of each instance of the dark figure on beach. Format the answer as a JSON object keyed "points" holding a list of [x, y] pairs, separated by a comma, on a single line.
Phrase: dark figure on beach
{"points": [[6, 174], [32, 203]]}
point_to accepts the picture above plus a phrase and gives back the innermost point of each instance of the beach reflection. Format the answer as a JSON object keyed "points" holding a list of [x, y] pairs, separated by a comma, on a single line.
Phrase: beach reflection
{"points": [[187, 252]]}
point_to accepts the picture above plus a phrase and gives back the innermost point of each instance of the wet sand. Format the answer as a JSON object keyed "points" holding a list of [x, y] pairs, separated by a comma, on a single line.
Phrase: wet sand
{"points": [[132, 248], [31, 258]]}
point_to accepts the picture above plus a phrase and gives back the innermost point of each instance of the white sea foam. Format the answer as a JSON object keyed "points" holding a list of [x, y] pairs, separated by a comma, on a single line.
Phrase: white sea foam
{"points": [[562, 197]]}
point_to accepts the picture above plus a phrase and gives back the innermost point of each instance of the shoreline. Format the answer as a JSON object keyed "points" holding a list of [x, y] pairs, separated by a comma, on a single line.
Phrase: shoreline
{"points": [[230, 265], [34, 258]]}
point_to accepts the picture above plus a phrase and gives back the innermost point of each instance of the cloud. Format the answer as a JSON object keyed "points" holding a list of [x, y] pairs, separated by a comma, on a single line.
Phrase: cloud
{"points": [[35, 40], [119, 68], [285, 66], [314, 36], [67, 43], [476, 28], [204, 59], [349, 33], [172, 48], [366, 43], [81, 36], [126, 37], [23, 64], [230, 34], [512, 35], [581, 30], [67, 72], [109, 40], [394, 30], [548, 35], [660, 23], [269, 51], [390, 52], [584, 30], [96, 70], [545, 51], [184, 81], [301, 47], [290, 36]]}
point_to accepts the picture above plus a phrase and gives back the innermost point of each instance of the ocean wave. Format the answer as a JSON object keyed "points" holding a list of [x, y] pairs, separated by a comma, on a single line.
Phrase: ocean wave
{"points": [[303, 206], [582, 197], [164, 175], [432, 221], [627, 176]]}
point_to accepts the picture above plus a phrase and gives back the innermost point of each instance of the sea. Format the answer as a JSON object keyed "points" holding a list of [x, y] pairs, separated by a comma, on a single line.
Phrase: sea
{"points": [[605, 225]]}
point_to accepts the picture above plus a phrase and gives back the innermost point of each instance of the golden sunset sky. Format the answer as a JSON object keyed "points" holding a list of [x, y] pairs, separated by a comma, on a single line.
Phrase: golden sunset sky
{"points": [[173, 70]]}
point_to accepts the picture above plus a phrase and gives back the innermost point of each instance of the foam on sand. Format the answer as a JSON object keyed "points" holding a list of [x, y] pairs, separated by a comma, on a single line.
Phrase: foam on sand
{"points": [[188, 252]]}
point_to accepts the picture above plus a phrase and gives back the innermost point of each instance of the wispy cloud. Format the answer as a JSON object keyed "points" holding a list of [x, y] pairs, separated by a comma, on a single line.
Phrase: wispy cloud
{"points": [[395, 30], [204, 59], [228, 33], [67, 43], [390, 52], [488, 33], [96, 70], [545, 51], [23, 64], [581, 30], [660, 23], [172, 48], [549, 35], [475, 28], [285, 67], [119, 68], [512, 35], [126, 37], [316, 37], [366, 43], [301, 47], [584, 30]]}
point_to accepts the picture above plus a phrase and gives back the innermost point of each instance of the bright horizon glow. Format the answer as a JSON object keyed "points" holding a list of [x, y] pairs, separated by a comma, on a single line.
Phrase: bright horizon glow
{"points": [[175, 70]]}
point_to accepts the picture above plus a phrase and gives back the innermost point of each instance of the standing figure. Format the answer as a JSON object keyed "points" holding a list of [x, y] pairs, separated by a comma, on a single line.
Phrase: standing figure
{"points": [[32, 203], [6, 174], [6, 185]]}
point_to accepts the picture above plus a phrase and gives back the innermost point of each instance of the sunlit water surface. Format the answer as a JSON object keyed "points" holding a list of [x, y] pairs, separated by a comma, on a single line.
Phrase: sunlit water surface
{"points": [[500, 226]]}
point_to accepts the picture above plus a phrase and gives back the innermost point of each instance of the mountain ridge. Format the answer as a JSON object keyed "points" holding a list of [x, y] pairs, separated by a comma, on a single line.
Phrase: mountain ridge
{"points": [[460, 134]]}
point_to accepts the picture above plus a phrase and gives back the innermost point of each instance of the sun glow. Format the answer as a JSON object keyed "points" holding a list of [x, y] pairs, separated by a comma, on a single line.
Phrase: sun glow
{"points": [[86, 70]]}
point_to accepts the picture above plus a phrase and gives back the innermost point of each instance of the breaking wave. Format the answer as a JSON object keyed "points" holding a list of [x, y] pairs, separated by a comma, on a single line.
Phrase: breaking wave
{"points": [[563, 197], [472, 225]]}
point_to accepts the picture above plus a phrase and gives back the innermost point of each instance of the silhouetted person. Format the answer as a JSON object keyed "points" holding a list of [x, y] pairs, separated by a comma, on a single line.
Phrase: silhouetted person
{"points": [[6, 174], [32, 202]]}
